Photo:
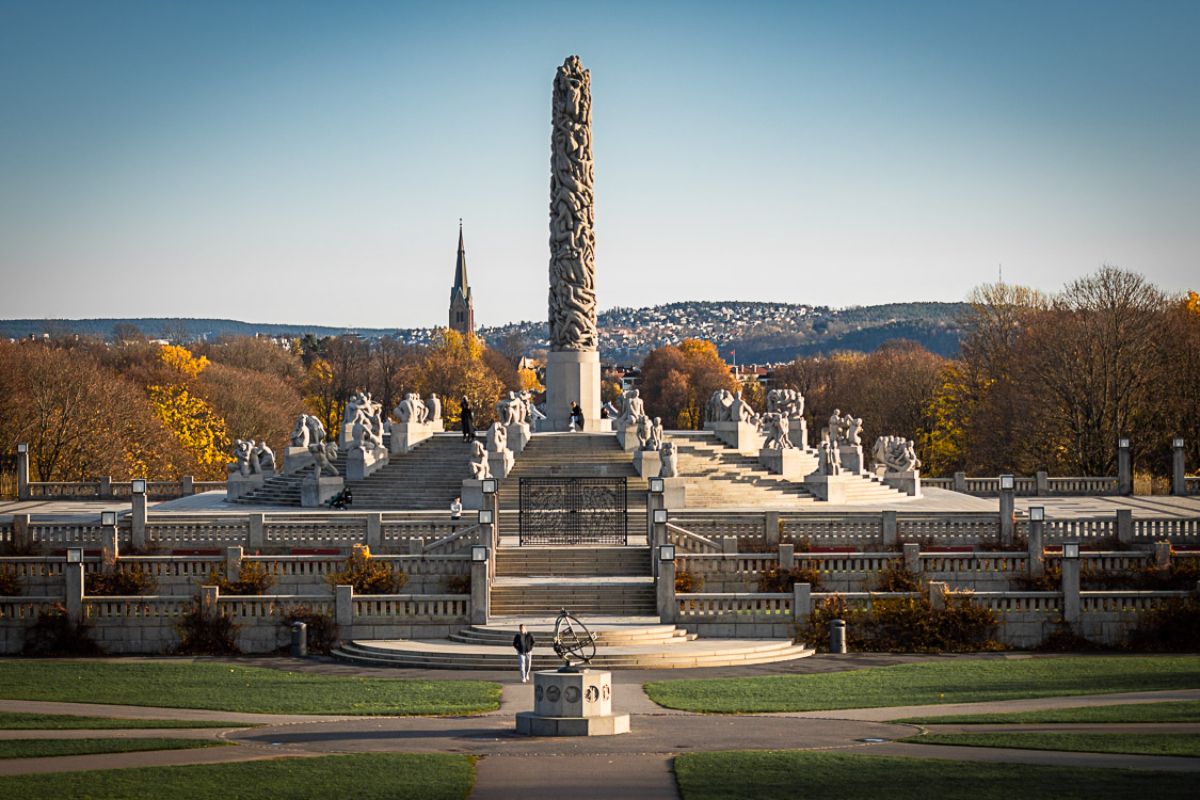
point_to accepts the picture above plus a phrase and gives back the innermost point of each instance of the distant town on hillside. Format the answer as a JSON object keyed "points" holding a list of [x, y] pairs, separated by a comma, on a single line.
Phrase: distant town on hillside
{"points": [[745, 332]]}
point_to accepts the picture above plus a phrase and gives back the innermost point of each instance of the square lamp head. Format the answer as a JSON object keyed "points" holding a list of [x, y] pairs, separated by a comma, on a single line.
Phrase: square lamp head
{"points": [[489, 485], [1123, 443], [660, 516], [74, 555], [1070, 549], [485, 516], [656, 486], [1037, 513], [1177, 442], [108, 519], [479, 552], [1007, 482], [23, 447], [138, 486], [666, 552]]}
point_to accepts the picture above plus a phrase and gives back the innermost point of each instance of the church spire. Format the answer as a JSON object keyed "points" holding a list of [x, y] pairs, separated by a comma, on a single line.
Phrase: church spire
{"points": [[462, 306]]}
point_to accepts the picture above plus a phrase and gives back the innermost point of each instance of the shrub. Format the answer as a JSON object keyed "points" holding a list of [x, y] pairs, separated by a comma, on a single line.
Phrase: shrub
{"points": [[367, 575], [54, 634], [686, 582], [1172, 627], [458, 584], [202, 634], [121, 582], [905, 625], [253, 578], [322, 630], [1049, 581], [782, 580], [10, 584], [1065, 640], [895, 577]]}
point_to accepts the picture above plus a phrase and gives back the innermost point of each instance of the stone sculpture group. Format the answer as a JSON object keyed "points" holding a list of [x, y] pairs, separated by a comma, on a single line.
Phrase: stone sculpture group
{"points": [[252, 457], [895, 454]]}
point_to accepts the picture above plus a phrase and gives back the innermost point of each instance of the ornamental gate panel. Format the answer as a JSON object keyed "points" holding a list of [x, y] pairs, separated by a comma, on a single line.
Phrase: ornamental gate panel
{"points": [[574, 511]]}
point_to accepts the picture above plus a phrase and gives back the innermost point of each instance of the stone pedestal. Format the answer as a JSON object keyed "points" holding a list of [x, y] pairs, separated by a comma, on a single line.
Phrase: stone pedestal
{"points": [[407, 435], [907, 482], [362, 463], [674, 493], [518, 436], [852, 458], [798, 431], [237, 485], [500, 463], [647, 463], [741, 436], [572, 704], [788, 463], [572, 376], [626, 435], [316, 492], [296, 459], [605, 425], [472, 494], [830, 488], [437, 425], [345, 435]]}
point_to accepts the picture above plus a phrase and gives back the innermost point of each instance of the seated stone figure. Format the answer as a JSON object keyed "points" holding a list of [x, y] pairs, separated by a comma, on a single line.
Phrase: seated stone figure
{"points": [[776, 427], [479, 462], [242, 451], [325, 454], [720, 407], [434, 404], [265, 456], [300, 432], [497, 438], [643, 428], [316, 431], [656, 434], [531, 411], [741, 411], [669, 461]]}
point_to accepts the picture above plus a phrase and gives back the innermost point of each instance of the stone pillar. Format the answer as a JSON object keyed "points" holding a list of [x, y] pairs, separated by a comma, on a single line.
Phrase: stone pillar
{"points": [[210, 597], [481, 592], [787, 557], [187, 486], [106, 492], [22, 535], [137, 521], [937, 594], [416, 545], [1124, 467], [573, 364], [1178, 469], [888, 530], [1070, 591], [1125, 526], [343, 609], [375, 532], [233, 563], [801, 602], [771, 527], [256, 537], [1043, 483], [110, 544], [729, 545], [1036, 563], [960, 482], [912, 557], [1162, 555], [74, 588], [666, 592], [658, 536], [1007, 511], [22, 471]]}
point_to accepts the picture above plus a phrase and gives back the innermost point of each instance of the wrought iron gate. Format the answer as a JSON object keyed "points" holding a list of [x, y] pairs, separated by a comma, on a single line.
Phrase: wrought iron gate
{"points": [[573, 511]]}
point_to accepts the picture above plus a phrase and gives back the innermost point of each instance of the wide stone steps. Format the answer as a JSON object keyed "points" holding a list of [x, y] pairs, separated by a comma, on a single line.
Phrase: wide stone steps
{"points": [[427, 478], [572, 561], [611, 635], [284, 490], [670, 655], [617, 596]]}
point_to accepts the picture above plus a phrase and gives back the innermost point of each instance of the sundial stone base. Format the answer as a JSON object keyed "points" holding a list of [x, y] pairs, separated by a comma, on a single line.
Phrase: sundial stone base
{"points": [[572, 704]]}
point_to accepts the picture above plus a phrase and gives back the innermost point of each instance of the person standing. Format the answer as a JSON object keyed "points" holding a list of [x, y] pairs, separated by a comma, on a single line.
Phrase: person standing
{"points": [[576, 416], [456, 508], [468, 428], [523, 644]]}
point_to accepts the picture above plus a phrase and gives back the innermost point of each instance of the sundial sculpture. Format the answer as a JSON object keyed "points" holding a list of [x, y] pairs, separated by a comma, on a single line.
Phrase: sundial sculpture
{"points": [[572, 640]]}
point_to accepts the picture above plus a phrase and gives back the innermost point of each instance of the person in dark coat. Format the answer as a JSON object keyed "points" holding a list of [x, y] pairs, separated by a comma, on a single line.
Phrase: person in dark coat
{"points": [[523, 644], [468, 427], [577, 416]]}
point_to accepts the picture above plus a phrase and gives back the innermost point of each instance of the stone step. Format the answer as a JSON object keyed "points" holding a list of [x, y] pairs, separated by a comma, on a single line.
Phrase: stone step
{"points": [[607, 635]]}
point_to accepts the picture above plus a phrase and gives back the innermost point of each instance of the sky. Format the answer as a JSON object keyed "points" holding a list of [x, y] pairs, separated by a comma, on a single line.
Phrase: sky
{"points": [[305, 162]]}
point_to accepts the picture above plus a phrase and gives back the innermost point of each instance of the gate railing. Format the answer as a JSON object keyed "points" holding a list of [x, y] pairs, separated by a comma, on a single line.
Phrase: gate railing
{"points": [[573, 511]]}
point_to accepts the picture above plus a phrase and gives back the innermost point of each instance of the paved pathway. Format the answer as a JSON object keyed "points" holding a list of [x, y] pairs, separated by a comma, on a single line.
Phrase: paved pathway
{"points": [[635, 765]]}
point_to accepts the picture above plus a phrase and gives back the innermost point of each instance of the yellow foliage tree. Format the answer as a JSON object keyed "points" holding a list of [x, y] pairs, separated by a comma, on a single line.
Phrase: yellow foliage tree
{"points": [[191, 419], [181, 359]]}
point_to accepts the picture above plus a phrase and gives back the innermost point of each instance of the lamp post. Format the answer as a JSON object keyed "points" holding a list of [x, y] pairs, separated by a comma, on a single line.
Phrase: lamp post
{"points": [[1178, 468], [1036, 565], [1008, 492], [481, 584], [137, 519], [23, 471], [666, 581], [1124, 467], [1070, 583]]}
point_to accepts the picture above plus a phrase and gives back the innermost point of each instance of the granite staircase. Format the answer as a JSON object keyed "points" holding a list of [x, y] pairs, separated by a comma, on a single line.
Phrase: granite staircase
{"points": [[427, 478]]}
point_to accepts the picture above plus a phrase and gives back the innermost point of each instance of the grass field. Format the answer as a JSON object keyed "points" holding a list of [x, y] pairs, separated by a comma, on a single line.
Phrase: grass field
{"points": [[929, 683], [1146, 744], [383, 776], [786, 775], [21, 721], [1181, 711], [228, 687], [41, 748]]}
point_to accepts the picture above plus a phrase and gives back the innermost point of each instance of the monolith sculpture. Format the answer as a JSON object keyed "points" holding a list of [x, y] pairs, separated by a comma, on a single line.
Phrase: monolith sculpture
{"points": [[573, 365]]}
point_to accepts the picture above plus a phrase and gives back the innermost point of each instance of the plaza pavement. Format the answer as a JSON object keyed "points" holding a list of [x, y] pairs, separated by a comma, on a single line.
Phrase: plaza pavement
{"points": [[638, 764]]}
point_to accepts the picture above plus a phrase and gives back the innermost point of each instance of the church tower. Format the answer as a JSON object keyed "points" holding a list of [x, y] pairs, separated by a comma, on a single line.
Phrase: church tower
{"points": [[462, 307]]}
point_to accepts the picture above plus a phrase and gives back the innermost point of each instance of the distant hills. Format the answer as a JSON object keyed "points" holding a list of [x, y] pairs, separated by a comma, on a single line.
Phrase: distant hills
{"points": [[751, 332]]}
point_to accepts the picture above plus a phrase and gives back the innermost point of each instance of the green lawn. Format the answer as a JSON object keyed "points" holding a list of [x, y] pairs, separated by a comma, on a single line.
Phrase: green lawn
{"points": [[1146, 744], [384, 776], [1177, 711], [40, 748], [21, 721], [930, 683], [786, 775], [228, 687]]}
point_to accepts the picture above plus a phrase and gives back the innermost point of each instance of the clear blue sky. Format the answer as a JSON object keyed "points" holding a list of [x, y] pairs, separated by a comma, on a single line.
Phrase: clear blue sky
{"points": [[308, 162]]}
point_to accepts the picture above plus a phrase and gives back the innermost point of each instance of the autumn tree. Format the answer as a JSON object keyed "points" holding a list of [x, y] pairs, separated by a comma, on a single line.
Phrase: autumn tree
{"points": [[453, 366], [677, 381]]}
